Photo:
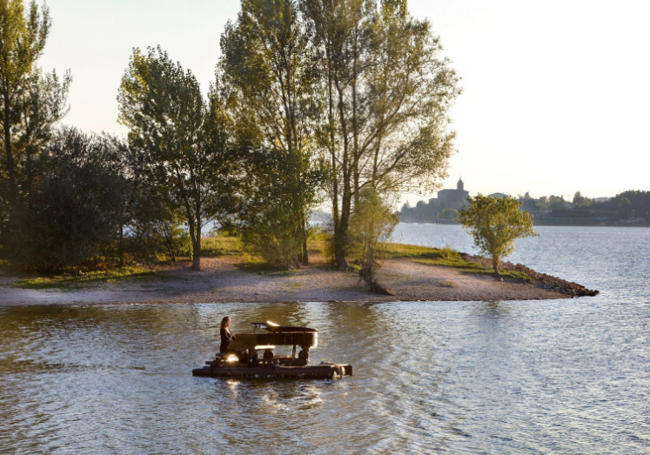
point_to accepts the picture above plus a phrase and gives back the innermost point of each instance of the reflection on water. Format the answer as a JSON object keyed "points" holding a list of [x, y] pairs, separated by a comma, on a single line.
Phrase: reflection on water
{"points": [[521, 377], [563, 376]]}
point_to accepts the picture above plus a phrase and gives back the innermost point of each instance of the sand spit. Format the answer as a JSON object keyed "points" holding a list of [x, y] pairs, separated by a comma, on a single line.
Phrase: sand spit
{"points": [[221, 281]]}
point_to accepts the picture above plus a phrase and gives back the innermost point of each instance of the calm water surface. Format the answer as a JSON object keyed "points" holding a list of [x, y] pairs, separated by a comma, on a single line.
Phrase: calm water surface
{"points": [[561, 376]]}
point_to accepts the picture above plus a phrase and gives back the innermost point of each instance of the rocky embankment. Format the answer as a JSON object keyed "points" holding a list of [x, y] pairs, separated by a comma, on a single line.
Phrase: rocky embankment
{"points": [[541, 280]]}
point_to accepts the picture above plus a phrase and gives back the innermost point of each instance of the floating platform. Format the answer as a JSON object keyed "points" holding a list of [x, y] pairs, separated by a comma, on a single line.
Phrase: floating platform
{"points": [[321, 371], [251, 355]]}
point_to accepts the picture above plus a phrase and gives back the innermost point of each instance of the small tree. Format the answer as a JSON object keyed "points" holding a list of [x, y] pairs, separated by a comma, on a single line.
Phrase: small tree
{"points": [[373, 222], [495, 224]]}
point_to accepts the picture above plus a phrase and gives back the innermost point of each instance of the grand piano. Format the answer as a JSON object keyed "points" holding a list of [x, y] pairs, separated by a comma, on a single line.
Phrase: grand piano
{"points": [[253, 355]]}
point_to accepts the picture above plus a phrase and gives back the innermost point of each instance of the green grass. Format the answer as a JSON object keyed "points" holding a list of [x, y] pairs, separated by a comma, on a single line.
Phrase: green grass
{"points": [[473, 267], [231, 246], [399, 250], [221, 246], [445, 257], [212, 247], [80, 280]]}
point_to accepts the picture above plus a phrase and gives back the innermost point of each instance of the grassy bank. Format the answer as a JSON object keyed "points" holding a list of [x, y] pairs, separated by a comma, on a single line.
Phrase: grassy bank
{"points": [[444, 257], [226, 246], [212, 247], [72, 281]]}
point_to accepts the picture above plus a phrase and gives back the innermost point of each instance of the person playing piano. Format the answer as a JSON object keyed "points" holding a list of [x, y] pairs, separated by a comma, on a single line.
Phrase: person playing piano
{"points": [[226, 335]]}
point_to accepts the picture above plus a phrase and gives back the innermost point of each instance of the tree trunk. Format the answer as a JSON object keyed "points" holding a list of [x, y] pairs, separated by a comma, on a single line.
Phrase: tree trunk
{"points": [[196, 252], [495, 265], [195, 236], [9, 158], [341, 231], [305, 253], [121, 246]]}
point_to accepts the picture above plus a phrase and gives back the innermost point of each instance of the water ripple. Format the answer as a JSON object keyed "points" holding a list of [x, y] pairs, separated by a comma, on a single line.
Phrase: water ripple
{"points": [[563, 376]]}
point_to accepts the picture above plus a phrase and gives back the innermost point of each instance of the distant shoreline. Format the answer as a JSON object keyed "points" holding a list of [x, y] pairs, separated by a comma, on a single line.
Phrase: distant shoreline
{"points": [[543, 223]]}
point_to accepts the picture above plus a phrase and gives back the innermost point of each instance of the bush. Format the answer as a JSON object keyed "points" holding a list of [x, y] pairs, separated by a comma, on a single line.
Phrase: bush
{"points": [[73, 213], [276, 200], [373, 221]]}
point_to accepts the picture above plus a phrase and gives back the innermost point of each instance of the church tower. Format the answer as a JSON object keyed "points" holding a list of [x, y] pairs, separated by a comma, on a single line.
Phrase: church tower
{"points": [[460, 185]]}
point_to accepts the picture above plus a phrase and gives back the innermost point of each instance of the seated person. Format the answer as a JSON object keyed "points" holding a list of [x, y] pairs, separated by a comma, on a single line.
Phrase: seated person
{"points": [[226, 336]]}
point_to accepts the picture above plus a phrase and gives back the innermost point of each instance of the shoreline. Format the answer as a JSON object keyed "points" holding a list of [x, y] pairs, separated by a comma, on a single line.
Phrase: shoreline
{"points": [[221, 281], [549, 223]]}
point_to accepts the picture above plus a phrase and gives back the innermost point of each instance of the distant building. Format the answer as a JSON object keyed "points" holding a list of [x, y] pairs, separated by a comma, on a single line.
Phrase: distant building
{"points": [[451, 199], [434, 210]]}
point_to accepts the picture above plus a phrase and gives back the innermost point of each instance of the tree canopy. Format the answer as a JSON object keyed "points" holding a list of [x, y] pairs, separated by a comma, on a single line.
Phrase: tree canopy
{"points": [[31, 103], [495, 224], [268, 71], [385, 89], [182, 139], [312, 100]]}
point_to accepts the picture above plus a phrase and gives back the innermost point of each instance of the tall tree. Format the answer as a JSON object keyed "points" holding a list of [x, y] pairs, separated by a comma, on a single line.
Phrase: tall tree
{"points": [[182, 138], [269, 67], [30, 104], [387, 92]]}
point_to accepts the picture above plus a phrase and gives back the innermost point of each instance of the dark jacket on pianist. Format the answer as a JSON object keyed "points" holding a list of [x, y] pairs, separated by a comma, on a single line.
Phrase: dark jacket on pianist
{"points": [[226, 338]]}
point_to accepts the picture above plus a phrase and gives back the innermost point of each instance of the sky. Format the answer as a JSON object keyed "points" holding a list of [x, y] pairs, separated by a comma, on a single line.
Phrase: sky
{"points": [[556, 94]]}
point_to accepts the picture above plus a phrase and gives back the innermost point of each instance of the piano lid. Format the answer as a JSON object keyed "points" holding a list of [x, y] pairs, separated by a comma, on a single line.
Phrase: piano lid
{"points": [[273, 327]]}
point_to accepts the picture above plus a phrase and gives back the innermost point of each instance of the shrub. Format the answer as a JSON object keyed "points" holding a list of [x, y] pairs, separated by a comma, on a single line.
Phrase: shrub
{"points": [[373, 222]]}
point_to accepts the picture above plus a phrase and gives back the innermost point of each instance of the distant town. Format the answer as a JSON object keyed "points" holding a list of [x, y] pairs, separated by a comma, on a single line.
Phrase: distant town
{"points": [[630, 208]]}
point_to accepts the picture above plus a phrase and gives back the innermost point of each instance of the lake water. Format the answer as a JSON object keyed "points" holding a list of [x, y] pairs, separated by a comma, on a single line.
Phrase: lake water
{"points": [[559, 376]]}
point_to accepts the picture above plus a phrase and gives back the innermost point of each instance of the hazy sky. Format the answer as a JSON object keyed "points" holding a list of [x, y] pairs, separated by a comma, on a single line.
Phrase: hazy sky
{"points": [[556, 93]]}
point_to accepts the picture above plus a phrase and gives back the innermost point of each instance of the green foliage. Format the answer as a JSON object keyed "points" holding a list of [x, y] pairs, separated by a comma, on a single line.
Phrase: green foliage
{"points": [[474, 268], [222, 246], [217, 246], [639, 200], [30, 105], [74, 208], [448, 214], [270, 206], [625, 209], [386, 91], [373, 222], [81, 279], [581, 201], [495, 224], [557, 203], [268, 72], [181, 139], [625, 205], [152, 239], [399, 250]]}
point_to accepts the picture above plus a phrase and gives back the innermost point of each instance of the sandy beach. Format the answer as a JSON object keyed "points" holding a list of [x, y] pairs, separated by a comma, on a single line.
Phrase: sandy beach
{"points": [[221, 281]]}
